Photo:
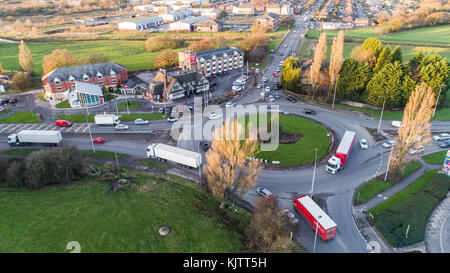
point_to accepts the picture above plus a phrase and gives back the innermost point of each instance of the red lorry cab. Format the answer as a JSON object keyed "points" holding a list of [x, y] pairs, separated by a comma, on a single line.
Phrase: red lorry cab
{"points": [[63, 123], [316, 217]]}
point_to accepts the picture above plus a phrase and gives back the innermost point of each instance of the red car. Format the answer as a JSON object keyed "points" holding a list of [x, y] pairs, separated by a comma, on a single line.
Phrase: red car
{"points": [[63, 123], [98, 140], [275, 74]]}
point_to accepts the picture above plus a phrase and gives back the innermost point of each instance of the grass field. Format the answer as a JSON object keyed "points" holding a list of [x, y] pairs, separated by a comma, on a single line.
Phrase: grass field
{"points": [[412, 206], [123, 221], [436, 158], [131, 105], [21, 117], [436, 35], [63, 104], [302, 152], [376, 186]]}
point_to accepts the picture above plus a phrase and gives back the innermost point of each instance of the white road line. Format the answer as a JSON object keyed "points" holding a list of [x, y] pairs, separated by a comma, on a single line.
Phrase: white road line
{"points": [[86, 127], [4, 129], [42, 125], [14, 128], [48, 126]]}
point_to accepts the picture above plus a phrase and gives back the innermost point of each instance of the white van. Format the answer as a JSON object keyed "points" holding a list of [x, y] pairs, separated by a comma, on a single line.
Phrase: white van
{"points": [[396, 123]]}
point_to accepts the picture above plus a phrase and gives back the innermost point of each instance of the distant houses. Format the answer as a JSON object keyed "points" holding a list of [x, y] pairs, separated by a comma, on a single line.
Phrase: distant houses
{"points": [[142, 23], [270, 21]]}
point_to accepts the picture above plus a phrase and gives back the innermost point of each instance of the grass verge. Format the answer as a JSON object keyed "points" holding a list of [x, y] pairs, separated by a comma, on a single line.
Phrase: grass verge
{"points": [[22, 117], [436, 158]]}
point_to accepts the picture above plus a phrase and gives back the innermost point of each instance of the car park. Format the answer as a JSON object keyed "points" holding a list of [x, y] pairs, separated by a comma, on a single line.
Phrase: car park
{"points": [[230, 104], [442, 136], [309, 112], [364, 144], [214, 116], [263, 192], [388, 143], [444, 144], [172, 119], [98, 140], [140, 121], [121, 127]]}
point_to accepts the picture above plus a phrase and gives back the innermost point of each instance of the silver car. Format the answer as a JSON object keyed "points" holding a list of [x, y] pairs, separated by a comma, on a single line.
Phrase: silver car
{"points": [[140, 121], [121, 127], [263, 192]]}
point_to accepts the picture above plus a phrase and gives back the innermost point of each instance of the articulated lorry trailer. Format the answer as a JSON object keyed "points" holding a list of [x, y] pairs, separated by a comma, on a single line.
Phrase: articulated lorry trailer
{"points": [[339, 161], [107, 119], [177, 155], [28, 137]]}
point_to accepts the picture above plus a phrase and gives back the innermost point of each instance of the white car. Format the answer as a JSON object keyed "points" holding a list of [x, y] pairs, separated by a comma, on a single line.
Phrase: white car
{"points": [[271, 98], [388, 144], [396, 123], [443, 136], [230, 104], [140, 121], [364, 144], [172, 119], [416, 150], [259, 85], [214, 116], [121, 127], [267, 88], [236, 88], [257, 70], [264, 79], [263, 192]]}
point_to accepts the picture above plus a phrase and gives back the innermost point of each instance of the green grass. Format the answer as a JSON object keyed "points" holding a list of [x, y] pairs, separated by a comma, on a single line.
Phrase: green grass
{"points": [[411, 206], [436, 158], [104, 154], [376, 186], [41, 97], [153, 163], [436, 35], [131, 105], [22, 117], [63, 104], [121, 222], [131, 54], [302, 152], [19, 151]]}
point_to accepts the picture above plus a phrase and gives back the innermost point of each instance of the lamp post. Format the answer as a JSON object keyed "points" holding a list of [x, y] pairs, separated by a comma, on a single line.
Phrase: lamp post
{"points": [[381, 116], [389, 162], [437, 101], [314, 174], [89, 128]]}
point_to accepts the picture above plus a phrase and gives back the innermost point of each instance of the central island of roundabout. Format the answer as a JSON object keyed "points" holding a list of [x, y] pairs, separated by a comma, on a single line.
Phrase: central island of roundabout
{"points": [[299, 137]]}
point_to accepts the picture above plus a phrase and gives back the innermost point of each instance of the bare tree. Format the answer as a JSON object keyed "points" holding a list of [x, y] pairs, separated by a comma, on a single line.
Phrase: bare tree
{"points": [[227, 168], [269, 229], [319, 57], [25, 59], [336, 60], [415, 128]]}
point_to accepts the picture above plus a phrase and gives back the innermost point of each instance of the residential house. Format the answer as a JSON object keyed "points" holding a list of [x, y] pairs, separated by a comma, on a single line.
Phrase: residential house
{"points": [[270, 21], [176, 85], [361, 22], [132, 87], [85, 95], [60, 81], [244, 9]]}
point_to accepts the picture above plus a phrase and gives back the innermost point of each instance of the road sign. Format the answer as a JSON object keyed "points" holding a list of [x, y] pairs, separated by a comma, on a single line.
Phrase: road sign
{"points": [[446, 166]]}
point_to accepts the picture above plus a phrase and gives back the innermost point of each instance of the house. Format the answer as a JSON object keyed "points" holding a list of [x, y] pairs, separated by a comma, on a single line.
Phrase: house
{"points": [[244, 9], [208, 25], [176, 16], [144, 8], [141, 24], [270, 21], [212, 61], [185, 25], [60, 81], [361, 22], [212, 14], [331, 25], [85, 94], [132, 87], [176, 85]]}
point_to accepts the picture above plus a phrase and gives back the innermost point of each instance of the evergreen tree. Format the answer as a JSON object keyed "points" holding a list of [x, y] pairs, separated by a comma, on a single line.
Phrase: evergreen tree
{"points": [[397, 55], [354, 76], [384, 58], [372, 44]]}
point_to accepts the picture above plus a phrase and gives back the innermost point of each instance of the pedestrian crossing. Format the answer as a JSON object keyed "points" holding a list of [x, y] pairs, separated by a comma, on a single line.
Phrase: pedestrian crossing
{"points": [[12, 128]]}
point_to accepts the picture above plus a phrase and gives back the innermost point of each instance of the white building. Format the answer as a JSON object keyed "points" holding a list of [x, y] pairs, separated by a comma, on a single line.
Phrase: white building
{"points": [[142, 24], [176, 16], [185, 25], [144, 8]]}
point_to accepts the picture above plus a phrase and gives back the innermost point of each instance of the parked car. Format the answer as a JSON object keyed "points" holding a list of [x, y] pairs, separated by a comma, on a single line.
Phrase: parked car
{"points": [[214, 116], [277, 95], [161, 110], [230, 104], [140, 121], [263, 192], [309, 112], [388, 144], [98, 140], [3, 101], [121, 127], [264, 79], [258, 85], [63, 123], [271, 98], [364, 144], [13, 100], [292, 98], [396, 123], [172, 119], [416, 150], [267, 88], [257, 70], [442, 136], [274, 74], [444, 144]]}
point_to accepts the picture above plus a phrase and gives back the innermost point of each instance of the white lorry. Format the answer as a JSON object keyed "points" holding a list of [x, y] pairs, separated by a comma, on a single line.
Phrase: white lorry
{"points": [[28, 137], [107, 119], [177, 155]]}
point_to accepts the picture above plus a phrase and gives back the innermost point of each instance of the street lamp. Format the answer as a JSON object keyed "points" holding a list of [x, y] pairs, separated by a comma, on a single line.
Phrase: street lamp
{"points": [[89, 128], [389, 162], [381, 116], [437, 101], [314, 174]]}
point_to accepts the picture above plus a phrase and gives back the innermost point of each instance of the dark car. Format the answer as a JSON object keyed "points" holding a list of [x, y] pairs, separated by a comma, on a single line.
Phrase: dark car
{"points": [[309, 112], [292, 98], [3, 101], [205, 146], [13, 100], [445, 144], [161, 110]]}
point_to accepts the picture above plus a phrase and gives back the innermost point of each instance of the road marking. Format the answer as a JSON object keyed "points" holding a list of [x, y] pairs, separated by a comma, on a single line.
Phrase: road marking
{"points": [[87, 127], [14, 128], [79, 128], [4, 129], [48, 126], [42, 125]]}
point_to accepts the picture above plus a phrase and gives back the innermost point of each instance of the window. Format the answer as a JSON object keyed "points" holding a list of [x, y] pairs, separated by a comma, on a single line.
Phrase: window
{"points": [[114, 80], [58, 88], [57, 81], [100, 82]]}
